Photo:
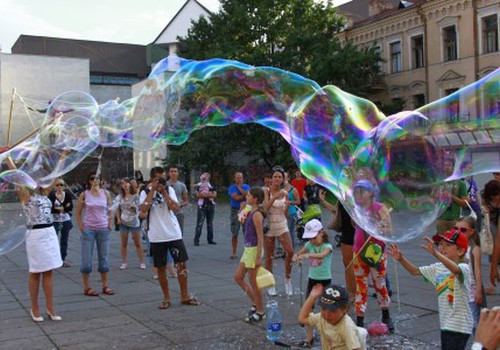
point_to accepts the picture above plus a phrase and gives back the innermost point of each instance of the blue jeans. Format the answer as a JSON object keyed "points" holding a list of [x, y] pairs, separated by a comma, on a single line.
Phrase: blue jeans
{"points": [[63, 228], [87, 239], [476, 312], [205, 211]]}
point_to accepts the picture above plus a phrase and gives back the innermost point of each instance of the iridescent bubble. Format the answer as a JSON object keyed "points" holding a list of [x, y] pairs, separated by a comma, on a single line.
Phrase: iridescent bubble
{"points": [[12, 238], [337, 139], [19, 178]]}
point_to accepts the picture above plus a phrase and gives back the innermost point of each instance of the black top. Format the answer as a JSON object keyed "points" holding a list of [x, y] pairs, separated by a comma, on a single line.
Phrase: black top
{"points": [[56, 203]]}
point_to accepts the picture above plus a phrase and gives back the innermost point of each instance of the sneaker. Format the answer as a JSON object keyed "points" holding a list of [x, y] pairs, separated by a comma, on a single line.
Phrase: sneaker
{"points": [[123, 266], [142, 266], [288, 287], [389, 323], [272, 292]]}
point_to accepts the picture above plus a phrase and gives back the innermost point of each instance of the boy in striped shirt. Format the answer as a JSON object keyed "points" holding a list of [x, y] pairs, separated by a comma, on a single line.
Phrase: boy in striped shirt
{"points": [[451, 278]]}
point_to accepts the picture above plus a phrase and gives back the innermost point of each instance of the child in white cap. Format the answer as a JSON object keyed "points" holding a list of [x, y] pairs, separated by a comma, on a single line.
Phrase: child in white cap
{"points": [[319, 252]]}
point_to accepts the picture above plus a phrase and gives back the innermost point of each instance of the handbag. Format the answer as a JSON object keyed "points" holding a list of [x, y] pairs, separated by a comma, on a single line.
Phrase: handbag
{"points": [[336, 221], [485, 236], [372, 252], [265, 278]]}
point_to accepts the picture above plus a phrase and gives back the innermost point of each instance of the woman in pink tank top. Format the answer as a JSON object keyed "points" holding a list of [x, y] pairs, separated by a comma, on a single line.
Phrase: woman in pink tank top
{"points": [[95, 226]]}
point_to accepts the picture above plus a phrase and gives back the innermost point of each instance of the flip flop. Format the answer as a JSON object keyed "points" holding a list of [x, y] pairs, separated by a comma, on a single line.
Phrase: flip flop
{"points": [[108, 291], [191, 302], [90, 292], [165, 304]]}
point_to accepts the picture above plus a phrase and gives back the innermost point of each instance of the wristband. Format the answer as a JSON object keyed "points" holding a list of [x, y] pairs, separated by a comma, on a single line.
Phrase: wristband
{"points": [[477, 346]]}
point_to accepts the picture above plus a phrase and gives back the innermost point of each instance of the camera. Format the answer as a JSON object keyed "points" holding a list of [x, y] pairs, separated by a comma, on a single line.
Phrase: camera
{"points": [[162, 181]]}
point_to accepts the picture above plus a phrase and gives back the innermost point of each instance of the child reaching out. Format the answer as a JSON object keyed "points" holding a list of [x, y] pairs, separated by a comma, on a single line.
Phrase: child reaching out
{"points": [[252, 255], [451, 277], [336, 328], [319, 252]]}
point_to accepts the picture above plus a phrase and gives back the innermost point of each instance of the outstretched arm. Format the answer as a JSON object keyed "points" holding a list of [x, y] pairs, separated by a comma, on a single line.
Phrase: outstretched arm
{"points": [[450, 264], [308, 305], [398, 255]]}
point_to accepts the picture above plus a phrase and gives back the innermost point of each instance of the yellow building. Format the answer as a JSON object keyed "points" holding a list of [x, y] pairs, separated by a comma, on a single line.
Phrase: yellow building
{"points": [[430, 48]]}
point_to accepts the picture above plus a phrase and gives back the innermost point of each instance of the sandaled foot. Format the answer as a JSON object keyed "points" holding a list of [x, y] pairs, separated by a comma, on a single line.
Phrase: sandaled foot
{"points": [[255, 317], [90, 292], [306, 344], [108, 291], [191, 302], [165, 304]]}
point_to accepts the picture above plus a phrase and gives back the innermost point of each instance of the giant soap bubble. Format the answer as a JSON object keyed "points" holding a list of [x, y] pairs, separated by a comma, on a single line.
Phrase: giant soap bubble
{"points": [[336, 138]]}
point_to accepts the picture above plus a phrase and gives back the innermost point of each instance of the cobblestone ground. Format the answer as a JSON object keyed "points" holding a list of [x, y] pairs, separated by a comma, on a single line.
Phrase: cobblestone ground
{"points": [[130, 319]]}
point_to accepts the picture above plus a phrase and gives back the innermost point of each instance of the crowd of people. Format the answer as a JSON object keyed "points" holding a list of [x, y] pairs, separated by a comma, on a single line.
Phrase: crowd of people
{"points": [[267, 216]]}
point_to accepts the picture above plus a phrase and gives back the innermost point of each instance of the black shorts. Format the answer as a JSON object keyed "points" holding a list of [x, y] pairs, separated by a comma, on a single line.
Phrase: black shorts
{"points": [[311, 283], [347, 236], [177, 250]]}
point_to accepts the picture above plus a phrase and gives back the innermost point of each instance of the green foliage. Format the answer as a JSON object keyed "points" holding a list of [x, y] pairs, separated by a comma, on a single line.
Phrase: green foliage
{"points": [[294, 35]]}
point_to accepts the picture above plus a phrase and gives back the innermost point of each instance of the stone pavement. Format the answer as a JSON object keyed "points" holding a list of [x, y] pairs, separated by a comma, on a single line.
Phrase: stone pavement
{"points": [[130, 319]]}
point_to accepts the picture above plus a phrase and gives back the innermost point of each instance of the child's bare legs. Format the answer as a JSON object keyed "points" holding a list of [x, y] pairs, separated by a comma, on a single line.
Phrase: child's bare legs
{"points": [[33, 286], [257, 294], [239, 278]]}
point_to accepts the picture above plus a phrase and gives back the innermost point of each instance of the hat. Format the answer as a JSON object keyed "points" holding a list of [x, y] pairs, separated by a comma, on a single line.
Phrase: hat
{"points": [[312, 228], [334, 297], [454, 236], [366, 184]]}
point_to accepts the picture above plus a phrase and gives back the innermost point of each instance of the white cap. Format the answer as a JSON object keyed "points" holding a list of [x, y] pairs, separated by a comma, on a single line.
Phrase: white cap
{"points": [[312, 228]]}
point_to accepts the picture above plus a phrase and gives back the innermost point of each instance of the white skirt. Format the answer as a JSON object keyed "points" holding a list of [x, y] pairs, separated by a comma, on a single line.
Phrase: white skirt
{"points": [[42, 248]]}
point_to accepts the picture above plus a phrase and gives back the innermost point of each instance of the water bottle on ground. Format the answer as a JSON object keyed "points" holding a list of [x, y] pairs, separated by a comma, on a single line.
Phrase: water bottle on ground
{"points": [[274, 321]]}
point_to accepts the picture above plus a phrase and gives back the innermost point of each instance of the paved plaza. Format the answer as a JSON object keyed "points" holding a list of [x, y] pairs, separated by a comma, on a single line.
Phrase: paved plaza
{"points": [[130, 319]]}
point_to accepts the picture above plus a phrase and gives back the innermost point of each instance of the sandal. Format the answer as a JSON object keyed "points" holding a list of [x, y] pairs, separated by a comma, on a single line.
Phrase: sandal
{"points": [[108, 291], [306, 344], [165, 304], [255, 317], [191, 302], [90, 292]]}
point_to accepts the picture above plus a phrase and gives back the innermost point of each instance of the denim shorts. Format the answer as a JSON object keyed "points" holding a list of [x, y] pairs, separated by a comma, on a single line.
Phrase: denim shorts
{"points": [[129, 229], [101, 239]]}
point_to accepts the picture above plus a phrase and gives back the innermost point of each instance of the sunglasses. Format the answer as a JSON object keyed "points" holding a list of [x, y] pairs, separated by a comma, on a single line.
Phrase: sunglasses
{"points": [[94, 178], [278, 168], [59, 185], [462, 229]]}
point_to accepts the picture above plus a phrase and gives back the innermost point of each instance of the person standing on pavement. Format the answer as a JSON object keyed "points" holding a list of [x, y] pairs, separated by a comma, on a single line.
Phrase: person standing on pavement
{"points": [[180, 191], [491, 204], [455, 192], [206, 195], [276, 206], [300, 184], [95, 226], [293, 202], [62, 206], [237, 194], [158, 205]]}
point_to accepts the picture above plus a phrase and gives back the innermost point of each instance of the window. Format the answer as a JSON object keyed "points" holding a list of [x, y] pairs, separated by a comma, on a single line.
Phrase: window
{"points": [[490, 34], [418, 101], [417, 49], [453, 109], [450, 43], [396, 65]]}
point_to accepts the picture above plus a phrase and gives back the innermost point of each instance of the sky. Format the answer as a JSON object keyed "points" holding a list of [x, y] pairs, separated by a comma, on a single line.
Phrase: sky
{"points": [[133, 22]]}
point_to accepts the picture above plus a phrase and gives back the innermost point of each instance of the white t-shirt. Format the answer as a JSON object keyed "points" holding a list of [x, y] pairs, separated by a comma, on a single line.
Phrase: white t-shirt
{"points": [[453, 296], [163, 225]]}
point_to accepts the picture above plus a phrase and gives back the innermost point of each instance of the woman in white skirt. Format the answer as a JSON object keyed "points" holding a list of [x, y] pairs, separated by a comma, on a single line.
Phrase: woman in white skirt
{"points": [[42, 247]]}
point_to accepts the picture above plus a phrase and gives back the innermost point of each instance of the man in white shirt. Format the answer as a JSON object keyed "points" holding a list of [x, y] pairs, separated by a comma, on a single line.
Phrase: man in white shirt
{"points": [[158, 205]]}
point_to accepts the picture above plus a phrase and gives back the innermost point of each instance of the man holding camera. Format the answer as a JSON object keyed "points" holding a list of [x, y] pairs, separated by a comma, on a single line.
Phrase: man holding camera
{"points": [[158, 206]]}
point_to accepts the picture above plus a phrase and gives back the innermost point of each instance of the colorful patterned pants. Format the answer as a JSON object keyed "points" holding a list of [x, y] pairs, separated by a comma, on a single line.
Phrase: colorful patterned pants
{"points": [[361, 273]]}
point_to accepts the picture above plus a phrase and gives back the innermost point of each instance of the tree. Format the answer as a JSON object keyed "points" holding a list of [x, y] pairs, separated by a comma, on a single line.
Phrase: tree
{"points": [[294, 35]]}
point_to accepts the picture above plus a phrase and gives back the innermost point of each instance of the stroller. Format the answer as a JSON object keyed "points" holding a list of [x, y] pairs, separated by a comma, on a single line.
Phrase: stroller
{"points": [[303, 217]]}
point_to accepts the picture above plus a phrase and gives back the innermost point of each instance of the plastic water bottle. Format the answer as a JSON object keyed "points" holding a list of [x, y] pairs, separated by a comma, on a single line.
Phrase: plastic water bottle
{"points": [[274, 321]]}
